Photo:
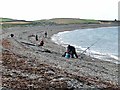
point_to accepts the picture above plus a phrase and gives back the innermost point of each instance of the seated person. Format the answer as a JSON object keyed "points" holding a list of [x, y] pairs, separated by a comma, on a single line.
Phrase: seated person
{"points": [[41, 43]]}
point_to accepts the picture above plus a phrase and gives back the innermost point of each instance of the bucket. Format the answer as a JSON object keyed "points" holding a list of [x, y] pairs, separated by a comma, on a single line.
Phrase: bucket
{"points": [[67, 55]]}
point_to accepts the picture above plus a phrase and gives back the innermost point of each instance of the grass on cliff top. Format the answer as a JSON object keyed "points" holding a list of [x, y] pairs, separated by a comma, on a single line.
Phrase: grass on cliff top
{"points": [[70, 21], [54, 21], [73, 21]]}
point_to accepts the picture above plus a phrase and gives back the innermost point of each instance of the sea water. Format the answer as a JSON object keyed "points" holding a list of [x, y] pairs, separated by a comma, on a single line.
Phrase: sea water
{"points": [[103, 42]]}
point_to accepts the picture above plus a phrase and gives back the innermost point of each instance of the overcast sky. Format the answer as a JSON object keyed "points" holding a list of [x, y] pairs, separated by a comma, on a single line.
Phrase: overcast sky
{"points": [[46, 9]]}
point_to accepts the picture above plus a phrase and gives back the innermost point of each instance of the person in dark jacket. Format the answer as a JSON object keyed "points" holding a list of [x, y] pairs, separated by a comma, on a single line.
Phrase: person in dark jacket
{"points": [[41, 43], [46, 34], [36, 37], [12, 35], [72, 51]]}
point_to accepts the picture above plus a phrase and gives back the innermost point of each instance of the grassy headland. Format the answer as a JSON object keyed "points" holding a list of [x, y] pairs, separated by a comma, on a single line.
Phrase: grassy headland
{"points": [[73, 21], [8, 22]]}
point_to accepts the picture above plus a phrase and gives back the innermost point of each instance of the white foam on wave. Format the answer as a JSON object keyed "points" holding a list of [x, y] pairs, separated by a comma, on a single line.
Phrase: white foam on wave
{"points": [[99, 55], [58, 40]]}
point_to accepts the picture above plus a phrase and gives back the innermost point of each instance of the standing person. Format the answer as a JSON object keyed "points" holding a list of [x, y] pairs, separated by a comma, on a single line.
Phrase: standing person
{"points": [[36, 37], [12, 35], [45, 34], [72, 51]]}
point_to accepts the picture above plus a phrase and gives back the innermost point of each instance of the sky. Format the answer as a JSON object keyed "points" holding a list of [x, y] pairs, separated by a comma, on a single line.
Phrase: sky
{"points": [[47, 9]]}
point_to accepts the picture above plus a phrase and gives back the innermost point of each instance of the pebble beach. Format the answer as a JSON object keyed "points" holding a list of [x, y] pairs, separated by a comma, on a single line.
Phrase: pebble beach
{"points": [[25, 65]]}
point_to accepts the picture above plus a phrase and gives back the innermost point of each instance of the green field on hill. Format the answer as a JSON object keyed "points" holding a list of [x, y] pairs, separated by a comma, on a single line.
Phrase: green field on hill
{"points": [[69, 21], [6, 20], [56, 21]]}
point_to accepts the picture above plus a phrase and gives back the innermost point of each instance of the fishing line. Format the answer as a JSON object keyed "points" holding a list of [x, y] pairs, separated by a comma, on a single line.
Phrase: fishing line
{"points": [[91, 45]]}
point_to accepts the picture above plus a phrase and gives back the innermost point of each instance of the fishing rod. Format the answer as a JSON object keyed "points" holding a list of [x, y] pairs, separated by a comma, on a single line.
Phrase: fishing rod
{"points": [[91, 45]]}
